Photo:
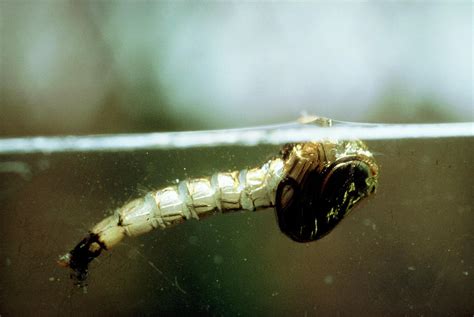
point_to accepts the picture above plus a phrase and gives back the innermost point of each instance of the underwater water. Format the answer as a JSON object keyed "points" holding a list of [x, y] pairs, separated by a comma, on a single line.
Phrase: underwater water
{"points": [[407, 250]]}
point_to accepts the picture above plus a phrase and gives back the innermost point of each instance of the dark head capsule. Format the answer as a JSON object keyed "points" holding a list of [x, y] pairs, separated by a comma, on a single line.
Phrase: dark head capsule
{"points": [[309, 208]]}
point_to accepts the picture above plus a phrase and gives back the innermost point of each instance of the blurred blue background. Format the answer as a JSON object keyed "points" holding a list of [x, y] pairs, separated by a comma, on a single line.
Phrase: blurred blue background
{"points": [[124, 66]]}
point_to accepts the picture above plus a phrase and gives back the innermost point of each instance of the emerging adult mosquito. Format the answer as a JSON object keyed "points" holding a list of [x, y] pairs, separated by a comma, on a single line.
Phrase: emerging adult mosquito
{"points": [[311, 186]]}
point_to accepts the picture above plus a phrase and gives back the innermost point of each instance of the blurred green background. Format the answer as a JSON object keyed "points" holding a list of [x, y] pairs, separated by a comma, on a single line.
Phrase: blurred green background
{"points": [[103, 67], [118, 67]]}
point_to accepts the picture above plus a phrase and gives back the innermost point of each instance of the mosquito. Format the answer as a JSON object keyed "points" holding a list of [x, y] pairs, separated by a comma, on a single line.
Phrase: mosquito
{"points": [[312, 186]]}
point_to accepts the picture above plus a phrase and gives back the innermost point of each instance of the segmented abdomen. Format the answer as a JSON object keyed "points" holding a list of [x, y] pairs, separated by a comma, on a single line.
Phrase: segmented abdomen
{"points": [[249, 189]]}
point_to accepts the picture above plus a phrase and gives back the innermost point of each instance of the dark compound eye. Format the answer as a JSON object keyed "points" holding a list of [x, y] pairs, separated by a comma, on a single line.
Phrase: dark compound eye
{"points": [[307, 212], [293, 219]]}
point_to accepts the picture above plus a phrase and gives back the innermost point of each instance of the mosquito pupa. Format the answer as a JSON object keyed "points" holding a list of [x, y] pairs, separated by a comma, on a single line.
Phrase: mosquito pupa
{"points": [[311, 186]]}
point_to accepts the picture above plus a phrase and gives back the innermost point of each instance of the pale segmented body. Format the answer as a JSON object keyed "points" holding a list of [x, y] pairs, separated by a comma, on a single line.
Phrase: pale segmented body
{"points": [[312, 186], [249, 189]]}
